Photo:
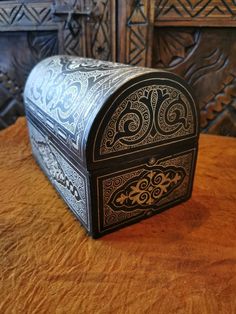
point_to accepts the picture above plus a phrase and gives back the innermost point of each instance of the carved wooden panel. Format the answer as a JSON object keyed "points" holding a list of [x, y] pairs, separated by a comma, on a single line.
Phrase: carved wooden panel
{"points": [[100, 30], [23, 15], [195, 13], [92, 34], [202, 56], [123, 31], [33, 30], [205, 57], [135, 32], [20, 52]]}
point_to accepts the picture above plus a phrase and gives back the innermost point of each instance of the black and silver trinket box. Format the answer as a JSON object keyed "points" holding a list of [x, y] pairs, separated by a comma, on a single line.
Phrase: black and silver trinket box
{"points": [[119, 143]]}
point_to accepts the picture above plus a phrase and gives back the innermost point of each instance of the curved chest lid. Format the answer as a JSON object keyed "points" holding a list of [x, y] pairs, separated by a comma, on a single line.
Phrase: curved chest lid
{"points": [[99, 111]]}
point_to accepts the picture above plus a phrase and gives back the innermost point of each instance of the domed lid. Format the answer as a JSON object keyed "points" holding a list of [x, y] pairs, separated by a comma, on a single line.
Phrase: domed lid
{"points": [[100, 111]]}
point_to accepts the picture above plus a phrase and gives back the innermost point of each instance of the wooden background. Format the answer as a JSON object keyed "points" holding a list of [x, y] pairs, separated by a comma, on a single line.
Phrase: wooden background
{"points": [[195, 39]]}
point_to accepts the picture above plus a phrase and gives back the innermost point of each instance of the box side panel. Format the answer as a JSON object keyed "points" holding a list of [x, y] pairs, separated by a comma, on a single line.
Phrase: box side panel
{"points": [[135, 192], [155, 112], [71, 182]]}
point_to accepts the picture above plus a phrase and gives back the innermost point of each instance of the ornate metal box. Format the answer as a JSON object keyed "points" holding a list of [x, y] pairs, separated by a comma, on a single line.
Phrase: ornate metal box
{"points": [[119, 143]]}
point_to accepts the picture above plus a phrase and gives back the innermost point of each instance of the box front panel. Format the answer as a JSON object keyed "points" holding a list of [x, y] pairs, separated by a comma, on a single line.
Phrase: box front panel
{"points": [[71, 182], [137, 192]]}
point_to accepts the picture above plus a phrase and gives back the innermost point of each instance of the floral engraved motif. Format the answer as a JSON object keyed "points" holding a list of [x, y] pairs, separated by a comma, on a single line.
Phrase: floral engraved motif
{"points": [[148, 189]]}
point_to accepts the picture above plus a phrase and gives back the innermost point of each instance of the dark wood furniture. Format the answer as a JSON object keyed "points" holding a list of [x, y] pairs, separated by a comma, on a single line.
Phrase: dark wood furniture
{"points": [[195, 39]]}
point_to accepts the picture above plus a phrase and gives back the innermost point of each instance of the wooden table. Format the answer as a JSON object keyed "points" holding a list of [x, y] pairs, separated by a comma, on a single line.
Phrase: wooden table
{"points": [[181, 261]]}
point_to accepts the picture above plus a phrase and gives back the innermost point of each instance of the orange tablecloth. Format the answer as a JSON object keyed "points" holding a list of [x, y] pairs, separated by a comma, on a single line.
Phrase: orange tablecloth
{"points": [[181, 261]]}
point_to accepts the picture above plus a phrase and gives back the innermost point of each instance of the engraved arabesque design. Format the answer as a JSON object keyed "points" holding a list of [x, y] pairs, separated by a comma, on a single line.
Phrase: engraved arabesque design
{"points": [[71, 91], [54, 168], [149, 115], [111, 185], [114, 185], [147, 189], [71, 183], [66, 91]]}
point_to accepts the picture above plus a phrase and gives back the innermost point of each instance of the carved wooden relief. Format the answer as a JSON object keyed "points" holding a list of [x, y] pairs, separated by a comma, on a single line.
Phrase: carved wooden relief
{"points": [[100, 30], [195, 13], [29, 15], [206, 59], [135, 32], [20, 52], [45, 28], [89, 31]]}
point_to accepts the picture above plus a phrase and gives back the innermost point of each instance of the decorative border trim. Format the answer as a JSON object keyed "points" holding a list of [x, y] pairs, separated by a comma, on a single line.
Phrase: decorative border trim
{"points": [[26, 16], [203, 13]]}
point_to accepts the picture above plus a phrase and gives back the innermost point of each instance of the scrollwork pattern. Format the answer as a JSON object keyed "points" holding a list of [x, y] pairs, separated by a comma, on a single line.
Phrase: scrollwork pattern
{"points": [[146, 190], [149, 115], [132, 121], [72, 90], [171, 174], [72, 184], [55, 169]]}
